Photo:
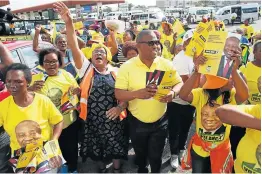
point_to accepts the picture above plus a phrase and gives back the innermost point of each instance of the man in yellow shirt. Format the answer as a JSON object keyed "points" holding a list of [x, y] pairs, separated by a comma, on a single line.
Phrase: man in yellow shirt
{"points": [[248, 29], [137, 83]]}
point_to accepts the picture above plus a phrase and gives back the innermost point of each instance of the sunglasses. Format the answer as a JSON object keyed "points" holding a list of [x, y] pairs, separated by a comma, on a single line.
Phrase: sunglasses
{"points": [[151, 43]]}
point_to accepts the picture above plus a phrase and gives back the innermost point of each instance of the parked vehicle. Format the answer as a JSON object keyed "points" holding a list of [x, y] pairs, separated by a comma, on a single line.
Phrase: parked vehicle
{"points": [[113, 15], [174, 12], [22, 52], [243, 11], [127, 15], [197, 13], [153, 18]]}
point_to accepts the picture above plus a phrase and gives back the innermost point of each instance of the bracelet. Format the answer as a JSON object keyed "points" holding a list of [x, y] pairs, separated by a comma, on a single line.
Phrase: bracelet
{"points": [[174, 94], [120, 107]]}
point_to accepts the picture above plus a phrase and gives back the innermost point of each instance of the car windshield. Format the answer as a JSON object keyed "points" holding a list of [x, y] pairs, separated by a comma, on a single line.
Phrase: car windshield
{"points": [[202, 12], [219, 12]]}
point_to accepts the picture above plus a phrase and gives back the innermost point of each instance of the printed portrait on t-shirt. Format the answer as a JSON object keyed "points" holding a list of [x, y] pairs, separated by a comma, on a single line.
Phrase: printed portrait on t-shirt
{"points": [[27, 132], [167, 44], [55, 95], [212, 129]]}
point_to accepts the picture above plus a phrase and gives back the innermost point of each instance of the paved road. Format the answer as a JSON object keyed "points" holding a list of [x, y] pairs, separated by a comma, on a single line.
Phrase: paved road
{"points": [[128, 166]]}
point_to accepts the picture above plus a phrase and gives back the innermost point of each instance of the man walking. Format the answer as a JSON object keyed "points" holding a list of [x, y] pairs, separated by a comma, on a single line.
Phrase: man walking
{"points": [[147, 119]]}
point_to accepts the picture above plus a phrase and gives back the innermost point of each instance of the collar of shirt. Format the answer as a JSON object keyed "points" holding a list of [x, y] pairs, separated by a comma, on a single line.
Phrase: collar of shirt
{"points": [[141, 64]]}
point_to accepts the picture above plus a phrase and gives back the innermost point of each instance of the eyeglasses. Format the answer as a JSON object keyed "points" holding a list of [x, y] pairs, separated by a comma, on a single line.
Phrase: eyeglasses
{"points": [[99, 52], [51, 62], [61, 42], [151, 43]]}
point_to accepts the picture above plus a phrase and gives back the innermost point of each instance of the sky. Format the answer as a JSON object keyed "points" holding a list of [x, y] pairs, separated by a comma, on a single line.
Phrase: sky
{"points": [[18, 4]]}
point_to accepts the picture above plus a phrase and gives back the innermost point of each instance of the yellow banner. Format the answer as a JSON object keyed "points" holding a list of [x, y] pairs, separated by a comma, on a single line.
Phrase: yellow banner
{"points": [[178, 28], [213, 51]]}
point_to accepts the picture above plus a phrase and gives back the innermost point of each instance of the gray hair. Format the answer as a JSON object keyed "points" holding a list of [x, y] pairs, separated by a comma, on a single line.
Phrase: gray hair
{"points": [[58, 37]]}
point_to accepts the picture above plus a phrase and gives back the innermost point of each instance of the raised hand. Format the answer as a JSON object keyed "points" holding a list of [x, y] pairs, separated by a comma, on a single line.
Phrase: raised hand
{"points": [[38, 28], [199, 60], [63, 11]]}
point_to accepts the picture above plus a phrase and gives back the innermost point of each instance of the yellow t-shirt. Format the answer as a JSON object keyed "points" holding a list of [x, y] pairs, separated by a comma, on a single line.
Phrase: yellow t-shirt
{"points": [[249, 29], [208, 125], [132, 76], [253, 75], [25, 125], [249, 148], [167, 42], [166, 54], [145, 26], [56, 88]]}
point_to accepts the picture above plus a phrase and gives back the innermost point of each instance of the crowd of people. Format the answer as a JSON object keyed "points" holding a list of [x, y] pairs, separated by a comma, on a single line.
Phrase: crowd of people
{"points": [[102, 94]]}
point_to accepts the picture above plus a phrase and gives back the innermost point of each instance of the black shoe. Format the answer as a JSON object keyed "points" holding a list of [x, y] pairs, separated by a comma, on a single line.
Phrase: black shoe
{"points": [[142, 170]]}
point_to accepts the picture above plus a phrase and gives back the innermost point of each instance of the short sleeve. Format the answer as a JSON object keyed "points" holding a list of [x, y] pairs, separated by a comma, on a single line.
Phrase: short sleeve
{"points": [[254, 110], [85, 65], [197, 93], [55, 116], [71, 79], [122, 78]]}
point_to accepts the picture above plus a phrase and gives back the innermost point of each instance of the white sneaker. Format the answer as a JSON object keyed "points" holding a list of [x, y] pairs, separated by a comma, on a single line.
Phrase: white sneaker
{"points": [[181, 154], [174, 161]]}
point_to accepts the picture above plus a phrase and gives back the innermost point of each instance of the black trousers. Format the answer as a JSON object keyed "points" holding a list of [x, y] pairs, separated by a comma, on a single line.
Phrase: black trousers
{"points": [[236, 133], [5, 152], [200, 164], [180, 118], [148, 140], [5, 155], [68, 142]]}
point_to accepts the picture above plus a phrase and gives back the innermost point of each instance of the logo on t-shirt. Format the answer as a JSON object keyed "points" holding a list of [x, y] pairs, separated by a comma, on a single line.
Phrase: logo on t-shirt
{"points": [[252, 167], [167, 44]]}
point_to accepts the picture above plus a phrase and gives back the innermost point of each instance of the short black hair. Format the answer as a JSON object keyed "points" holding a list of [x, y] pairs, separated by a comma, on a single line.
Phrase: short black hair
{"points": [[135, 22], [46, 51], [20, 67], [132, 34]]}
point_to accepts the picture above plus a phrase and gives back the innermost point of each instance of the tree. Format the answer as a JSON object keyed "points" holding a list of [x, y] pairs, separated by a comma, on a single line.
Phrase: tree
{"points": [[130, 6]]}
